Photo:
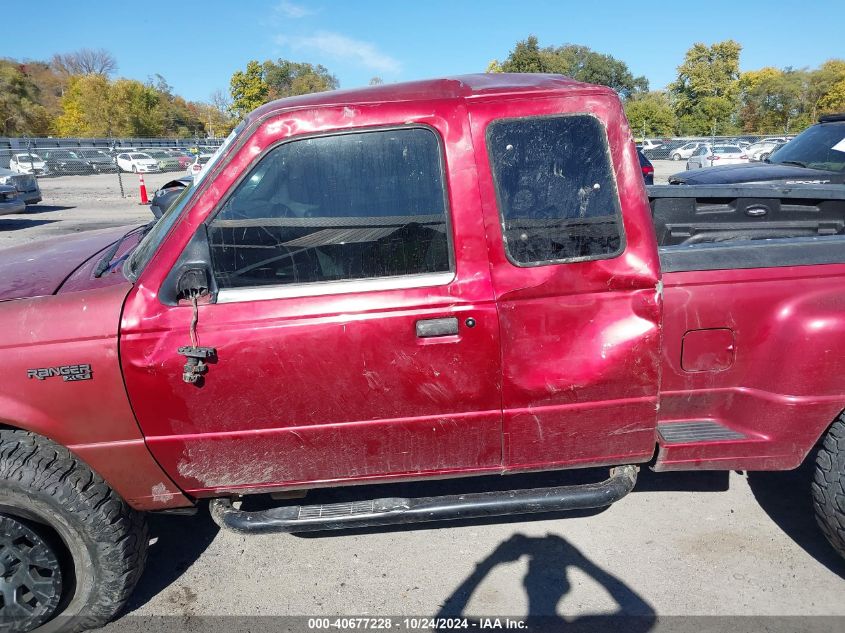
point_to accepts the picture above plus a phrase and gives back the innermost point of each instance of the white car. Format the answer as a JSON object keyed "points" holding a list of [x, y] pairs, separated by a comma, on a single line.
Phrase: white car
{"points": [[137, 163], [716, 155], [28, 163], [763, 149], [195, 168], [685, 151], [649, 144]]}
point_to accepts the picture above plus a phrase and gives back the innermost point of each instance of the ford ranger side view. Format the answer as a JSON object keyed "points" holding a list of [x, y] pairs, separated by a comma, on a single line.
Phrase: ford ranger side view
{"points": [[444, 278]]}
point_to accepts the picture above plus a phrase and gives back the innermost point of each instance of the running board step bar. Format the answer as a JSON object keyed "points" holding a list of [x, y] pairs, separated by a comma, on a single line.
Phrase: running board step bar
{"points": [[399, 511]]}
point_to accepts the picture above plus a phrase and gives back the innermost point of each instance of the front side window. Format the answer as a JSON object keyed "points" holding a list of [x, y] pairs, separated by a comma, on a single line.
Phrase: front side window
{"points": [[556, 190], [333, 208]]}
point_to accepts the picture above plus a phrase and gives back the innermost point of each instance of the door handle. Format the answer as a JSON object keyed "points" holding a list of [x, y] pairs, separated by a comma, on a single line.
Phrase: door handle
{"points": [[428, 328]]}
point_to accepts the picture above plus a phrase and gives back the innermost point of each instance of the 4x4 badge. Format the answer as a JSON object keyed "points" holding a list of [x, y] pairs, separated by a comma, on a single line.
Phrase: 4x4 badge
{"points": [[69, 373]]}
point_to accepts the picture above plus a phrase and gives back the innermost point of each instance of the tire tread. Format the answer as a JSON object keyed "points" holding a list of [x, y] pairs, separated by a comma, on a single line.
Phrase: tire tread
{"points": [[119, 533]]}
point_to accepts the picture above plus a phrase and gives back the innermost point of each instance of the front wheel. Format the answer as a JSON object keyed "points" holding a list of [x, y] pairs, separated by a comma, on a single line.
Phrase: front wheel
{"points": [[676, 157], [829, 486], [71, 550]]}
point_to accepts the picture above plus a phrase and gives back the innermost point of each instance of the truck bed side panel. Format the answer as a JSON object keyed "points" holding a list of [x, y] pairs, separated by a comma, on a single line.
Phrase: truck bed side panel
{"points": [[782, 385]]}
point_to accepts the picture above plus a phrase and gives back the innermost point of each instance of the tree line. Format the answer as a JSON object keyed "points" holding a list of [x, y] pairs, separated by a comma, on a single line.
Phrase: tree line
{"points": [[75, 94], [709, 94]]}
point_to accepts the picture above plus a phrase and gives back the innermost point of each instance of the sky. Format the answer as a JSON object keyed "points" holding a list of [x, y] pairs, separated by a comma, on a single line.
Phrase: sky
{"points": [[196, 46]]}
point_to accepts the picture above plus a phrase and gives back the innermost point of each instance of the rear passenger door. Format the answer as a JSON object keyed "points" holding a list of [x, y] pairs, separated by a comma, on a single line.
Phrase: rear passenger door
{"points": [[575, 272], [354, 324]]}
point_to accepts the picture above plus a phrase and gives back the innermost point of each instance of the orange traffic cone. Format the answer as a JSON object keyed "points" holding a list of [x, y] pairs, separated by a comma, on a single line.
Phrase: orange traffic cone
{"points": [[144, 199]]}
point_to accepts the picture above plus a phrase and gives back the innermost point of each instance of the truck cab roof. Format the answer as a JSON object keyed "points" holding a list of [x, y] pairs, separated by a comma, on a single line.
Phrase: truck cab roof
{"points": [[474, 86]]}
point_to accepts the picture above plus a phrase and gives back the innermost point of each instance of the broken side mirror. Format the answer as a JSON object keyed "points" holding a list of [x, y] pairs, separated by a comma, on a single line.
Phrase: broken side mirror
{"points": [[192, 283]]}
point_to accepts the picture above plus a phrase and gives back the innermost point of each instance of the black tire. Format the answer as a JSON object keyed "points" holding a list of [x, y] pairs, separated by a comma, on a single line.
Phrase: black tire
{"points": [[764, 156], [676, 157], [101, 541], [829, 486]]}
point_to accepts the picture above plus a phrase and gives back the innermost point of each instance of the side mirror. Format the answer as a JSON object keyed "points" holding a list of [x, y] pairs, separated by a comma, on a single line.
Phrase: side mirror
{"points": [[191, 275], [192, 282]]}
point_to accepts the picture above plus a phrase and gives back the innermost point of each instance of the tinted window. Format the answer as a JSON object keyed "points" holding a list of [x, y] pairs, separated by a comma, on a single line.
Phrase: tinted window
{"points": [[351, 206], [819, 147], [556, 190]]}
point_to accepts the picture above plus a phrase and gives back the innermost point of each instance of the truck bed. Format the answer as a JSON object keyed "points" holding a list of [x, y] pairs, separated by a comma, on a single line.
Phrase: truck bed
{"points": [[753, 322], [715, 227]]}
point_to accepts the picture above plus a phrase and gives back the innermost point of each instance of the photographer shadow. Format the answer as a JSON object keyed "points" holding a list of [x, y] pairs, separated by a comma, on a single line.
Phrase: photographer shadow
{"points": [[550, 558]]}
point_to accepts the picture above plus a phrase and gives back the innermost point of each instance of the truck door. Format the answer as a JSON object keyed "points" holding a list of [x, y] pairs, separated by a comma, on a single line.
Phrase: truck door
{"points": [[575, 272], [354, 323]]}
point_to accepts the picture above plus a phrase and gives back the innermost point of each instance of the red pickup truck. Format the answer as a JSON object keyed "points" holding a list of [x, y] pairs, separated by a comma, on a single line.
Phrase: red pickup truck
{"points": [[435, 279]]}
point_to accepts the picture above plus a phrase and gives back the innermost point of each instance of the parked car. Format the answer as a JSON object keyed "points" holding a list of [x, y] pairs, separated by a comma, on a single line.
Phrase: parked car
{"points": [[65, 161], [646, 167], [166, 162], [198, 163], [184, 158], [649, 145], [164, 197], [28, 163], [709, 155], [362, 310], [10, 201], [686, 150], [137, 162], [762, 149], [25, 184], [101, 162], [816, 156]]}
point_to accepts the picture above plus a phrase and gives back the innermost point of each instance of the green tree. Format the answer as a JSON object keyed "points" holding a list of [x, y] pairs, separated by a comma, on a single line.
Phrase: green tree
{"points": [[651, 114], [248, 89], [288, 79], [575, 61], [825, 88], [704, 95]]}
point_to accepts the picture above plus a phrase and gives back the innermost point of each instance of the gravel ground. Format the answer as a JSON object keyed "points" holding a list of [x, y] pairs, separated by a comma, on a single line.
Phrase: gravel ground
{"points": [[695, 544]]}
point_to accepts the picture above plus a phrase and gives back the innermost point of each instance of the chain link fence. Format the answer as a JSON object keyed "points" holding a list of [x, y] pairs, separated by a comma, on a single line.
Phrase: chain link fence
{"points": [[46, 157], [72, 170], [756, 147]]}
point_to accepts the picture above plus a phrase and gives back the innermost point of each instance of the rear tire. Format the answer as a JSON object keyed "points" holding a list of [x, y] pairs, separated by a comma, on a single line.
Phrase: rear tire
{"points": [[100, 541], [829, 486]]}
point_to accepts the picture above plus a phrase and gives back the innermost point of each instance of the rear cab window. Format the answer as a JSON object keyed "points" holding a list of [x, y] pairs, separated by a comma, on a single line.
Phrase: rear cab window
{"points": [[557, 195]]}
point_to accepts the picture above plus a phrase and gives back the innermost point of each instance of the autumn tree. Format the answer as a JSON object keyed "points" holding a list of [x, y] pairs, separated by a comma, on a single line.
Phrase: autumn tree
{"points": [[705, 92], [20, 111], [575, 61], [85, 61]]}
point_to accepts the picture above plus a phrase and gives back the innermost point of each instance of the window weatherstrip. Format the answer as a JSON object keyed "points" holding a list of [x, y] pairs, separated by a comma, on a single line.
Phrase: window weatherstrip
{"points": [[345, 286]]}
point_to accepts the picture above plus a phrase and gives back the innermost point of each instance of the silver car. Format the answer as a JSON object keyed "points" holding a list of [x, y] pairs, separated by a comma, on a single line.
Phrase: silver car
{"points": [[715, 155], [26, 185], [685, 151], [10, 201]]}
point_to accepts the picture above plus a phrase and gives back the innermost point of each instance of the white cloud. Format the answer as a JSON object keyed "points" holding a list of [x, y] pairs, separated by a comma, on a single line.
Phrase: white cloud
{"points": [[291, 10], [342, 47]]}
